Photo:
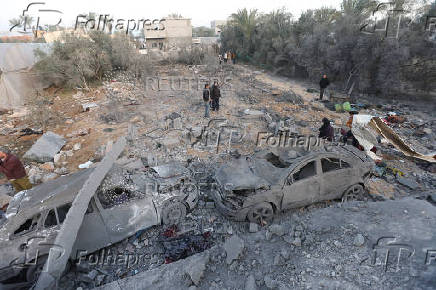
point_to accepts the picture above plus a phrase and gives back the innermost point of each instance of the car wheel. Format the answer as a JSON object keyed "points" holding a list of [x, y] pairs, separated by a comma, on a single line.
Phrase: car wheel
{"points": [[261, 213], [354, 193], [173, 213]]}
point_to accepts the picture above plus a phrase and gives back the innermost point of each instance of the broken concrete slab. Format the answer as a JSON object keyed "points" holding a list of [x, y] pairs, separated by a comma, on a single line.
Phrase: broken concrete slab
{"points": [[66, 237], [167, 276], [407, 182], [45, 148], [233, 247]]}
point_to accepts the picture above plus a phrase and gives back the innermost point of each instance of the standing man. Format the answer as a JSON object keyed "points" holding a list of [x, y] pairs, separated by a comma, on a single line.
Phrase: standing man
{"points": [[216, 95], [234, 57], [323, 84], [206, 100], [14, 170], [225, 57]]}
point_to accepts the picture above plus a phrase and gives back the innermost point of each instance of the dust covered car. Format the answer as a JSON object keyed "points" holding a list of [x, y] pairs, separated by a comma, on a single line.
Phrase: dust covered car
{"points": [[120, 207], [256, 187]]}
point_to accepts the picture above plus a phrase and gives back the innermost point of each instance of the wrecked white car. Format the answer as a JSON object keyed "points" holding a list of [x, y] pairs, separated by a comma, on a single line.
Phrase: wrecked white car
{"points": [[122, 206], [257, 187]]}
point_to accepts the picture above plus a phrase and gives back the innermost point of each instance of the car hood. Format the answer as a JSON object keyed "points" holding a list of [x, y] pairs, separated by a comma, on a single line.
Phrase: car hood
{"points": [[247, 173]]}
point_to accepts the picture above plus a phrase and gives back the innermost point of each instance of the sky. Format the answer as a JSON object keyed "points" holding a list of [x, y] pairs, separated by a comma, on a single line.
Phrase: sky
{"points": [[201, 12]]}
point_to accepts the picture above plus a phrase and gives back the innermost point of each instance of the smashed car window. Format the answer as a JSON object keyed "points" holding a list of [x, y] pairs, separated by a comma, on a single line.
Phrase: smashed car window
{"points": [[28, 226], [276, 161], [307, 171], [114, 196], [330, 164], [62, 212], [50, 220], [345, 164]]}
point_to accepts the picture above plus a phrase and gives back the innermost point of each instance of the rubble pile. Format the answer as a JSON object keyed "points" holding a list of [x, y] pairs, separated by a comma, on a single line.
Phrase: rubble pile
{"points": [[172, 159]]}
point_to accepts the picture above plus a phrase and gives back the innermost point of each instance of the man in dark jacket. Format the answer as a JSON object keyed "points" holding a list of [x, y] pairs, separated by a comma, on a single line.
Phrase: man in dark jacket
{"points": [[215, 95], [326, 131], [323, 84], [14, 170], [206, 100]]}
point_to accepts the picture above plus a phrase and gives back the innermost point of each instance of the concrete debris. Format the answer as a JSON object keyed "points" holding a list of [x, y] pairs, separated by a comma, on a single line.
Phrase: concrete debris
{"points": [[253, 228], [408, 182], [233, 247], [45, 148], [87, 164], [250, 283], [359, 240], [86, 107]]}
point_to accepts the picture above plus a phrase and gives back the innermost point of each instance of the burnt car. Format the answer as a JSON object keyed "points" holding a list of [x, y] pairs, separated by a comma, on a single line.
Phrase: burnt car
{"points": [[256, 187], [120, 208]]}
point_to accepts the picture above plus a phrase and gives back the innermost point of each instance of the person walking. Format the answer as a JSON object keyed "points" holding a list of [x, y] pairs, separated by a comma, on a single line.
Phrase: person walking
{"points": [[216, 95], [323, 84], [14, 170], [225, 57], [326, 131], [234, 57], [206, 100]]}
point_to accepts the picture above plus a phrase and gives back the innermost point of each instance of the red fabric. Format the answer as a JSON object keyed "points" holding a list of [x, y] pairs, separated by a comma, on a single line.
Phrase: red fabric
{"points": [[12, 167]]}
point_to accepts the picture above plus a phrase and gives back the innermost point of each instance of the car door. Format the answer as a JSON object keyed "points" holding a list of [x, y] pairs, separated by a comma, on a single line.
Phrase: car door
{"points": [[302, 186], [125, 215], [92, 234], [25, 238], [336, 177]]}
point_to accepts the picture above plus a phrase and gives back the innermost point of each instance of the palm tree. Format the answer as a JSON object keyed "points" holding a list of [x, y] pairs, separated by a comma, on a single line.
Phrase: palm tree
{"points": [[246, 22], [21, 21]]}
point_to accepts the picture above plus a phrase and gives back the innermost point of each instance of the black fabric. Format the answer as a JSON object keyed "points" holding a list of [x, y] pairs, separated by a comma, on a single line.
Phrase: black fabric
{"points": [[216, 93], [324, 82]]}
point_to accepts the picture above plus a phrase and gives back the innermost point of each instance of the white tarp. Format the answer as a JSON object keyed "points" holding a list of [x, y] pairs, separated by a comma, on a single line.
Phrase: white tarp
{"points": [[17, 82]]}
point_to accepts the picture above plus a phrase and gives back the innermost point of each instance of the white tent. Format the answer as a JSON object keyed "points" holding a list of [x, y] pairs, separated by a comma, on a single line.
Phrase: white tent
{"points": [[17, 81]]}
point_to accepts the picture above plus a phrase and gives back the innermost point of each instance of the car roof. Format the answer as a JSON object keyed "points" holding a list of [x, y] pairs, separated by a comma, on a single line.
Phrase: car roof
{"points": [[52, 193]]}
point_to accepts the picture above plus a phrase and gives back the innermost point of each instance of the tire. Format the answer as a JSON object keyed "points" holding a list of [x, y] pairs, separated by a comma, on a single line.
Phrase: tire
{"points": [[353, 193], [173, 213], [261, 213]]}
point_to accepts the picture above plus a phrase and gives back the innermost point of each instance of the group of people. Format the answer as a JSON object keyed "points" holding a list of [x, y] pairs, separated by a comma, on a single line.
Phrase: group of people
{"points": [[227, 57], [211, 98]]}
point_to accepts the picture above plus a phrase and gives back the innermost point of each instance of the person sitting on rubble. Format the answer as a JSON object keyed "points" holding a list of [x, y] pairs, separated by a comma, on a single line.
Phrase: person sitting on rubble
{"points": [[326, 131], [323, 84], [206, 100], [215, 96], [14, 170]]}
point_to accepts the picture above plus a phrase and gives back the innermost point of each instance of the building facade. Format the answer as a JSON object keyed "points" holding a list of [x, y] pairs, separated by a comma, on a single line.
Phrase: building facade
{"points": [[175, 33]]}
